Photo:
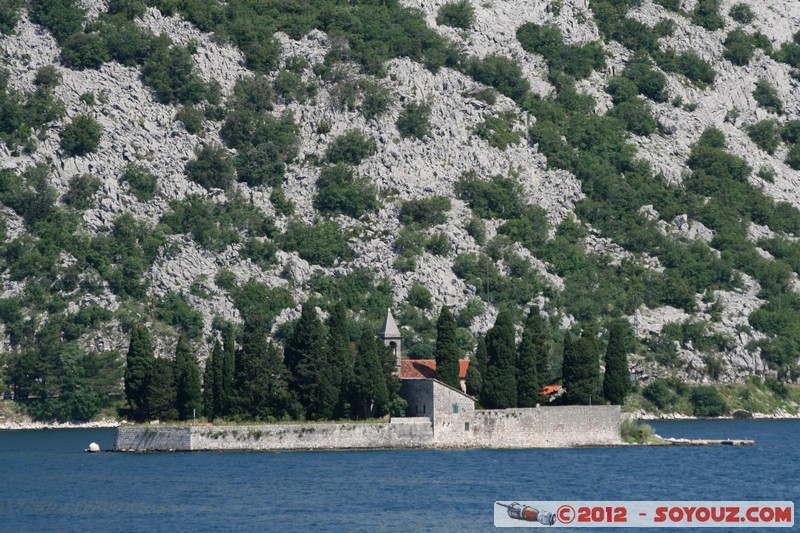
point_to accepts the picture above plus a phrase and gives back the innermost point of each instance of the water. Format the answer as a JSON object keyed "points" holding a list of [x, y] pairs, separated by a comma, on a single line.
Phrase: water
{"points": [[49, 484]]}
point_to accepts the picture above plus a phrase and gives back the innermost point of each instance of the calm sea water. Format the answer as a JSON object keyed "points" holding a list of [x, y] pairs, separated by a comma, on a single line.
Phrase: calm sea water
{"points": [[49, 484]]}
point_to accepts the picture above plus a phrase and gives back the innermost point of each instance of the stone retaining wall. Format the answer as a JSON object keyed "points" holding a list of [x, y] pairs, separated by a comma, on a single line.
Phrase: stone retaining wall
{"points": [[543, 427]]}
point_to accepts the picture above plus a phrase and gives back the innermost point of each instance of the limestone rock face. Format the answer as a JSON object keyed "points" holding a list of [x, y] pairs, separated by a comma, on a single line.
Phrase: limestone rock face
{"points": [[138, 129]]}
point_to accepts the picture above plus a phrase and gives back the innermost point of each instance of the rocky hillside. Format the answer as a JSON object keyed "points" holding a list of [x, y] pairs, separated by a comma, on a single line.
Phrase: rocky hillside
{"points": [[184, 163]]}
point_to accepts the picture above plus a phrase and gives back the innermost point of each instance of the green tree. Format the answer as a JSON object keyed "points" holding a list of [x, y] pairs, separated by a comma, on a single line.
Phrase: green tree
{"points": [[766, 95], [213, 168], [340, 357], [351, 147], [160, 396], [477, 365], [261, 378], [500, 380], [339, 190], [306, 356], [82, 187], [458, 14], [368, 393], [189, 396], [414, 120], [707, 401], [447, 351], [581, 369], [616, 381], [138, 362], [212, 383], [531, 347], [81, 136], [228, 369]]}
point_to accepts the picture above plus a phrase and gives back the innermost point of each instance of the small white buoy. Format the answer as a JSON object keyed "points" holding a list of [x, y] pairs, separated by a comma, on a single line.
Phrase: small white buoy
{"points": [[93, 448]]}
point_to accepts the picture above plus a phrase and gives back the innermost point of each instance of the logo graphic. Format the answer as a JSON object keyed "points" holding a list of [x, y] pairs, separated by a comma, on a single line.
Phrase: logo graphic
{"points": [[528, 513]]}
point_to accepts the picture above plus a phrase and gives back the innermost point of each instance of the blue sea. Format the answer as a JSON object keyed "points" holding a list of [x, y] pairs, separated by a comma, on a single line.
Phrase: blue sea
{"points": [[49, 484]]}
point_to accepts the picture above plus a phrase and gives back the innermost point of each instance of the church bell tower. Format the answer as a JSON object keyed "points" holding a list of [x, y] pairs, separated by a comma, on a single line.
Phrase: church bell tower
{"points": [[391, 338]]}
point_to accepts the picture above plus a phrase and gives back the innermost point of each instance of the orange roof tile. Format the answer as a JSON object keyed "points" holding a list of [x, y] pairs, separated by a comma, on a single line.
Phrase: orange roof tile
{"points": [[426, 368], [547, 390]]}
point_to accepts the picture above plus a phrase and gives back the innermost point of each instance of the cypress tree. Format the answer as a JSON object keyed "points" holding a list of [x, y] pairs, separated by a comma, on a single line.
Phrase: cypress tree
{"points": [[261, 379], [581, 369], [500, 380], [341, 359], [533, 343], [212, 383], [544, 359], [306, 357], [447, 349], [368, 393], [477, 365], [138, 361], [160, 398], [189, 394], [616, 381], [228, 370]]}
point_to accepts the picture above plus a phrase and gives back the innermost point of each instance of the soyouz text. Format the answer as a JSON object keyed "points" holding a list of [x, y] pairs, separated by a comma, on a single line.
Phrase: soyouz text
{"points": [[644, 514]]}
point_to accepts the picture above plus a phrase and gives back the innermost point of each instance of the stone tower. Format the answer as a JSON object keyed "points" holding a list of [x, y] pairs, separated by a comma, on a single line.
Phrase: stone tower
{"points": [[391, 338]]}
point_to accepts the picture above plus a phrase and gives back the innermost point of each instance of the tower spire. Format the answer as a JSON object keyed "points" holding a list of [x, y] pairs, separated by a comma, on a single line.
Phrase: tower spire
{"points": [[391, 338]]}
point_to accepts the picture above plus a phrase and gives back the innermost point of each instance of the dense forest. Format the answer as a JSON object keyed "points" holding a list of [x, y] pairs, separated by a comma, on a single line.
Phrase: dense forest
{"points": [[191, 180]]}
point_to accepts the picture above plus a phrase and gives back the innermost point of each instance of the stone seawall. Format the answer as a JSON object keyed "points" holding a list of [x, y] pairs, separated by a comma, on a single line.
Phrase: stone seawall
{"points": [[544, 427]]}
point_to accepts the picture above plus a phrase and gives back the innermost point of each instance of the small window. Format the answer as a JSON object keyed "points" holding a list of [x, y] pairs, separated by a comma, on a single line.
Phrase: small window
{"points": [[466, 426], [455, 407], [423, 408]]}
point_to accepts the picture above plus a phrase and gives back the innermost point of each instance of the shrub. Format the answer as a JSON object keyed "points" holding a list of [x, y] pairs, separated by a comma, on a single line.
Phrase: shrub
{"points": [[577, 61], [260, 165], [170, 71], [82, 187], [340, 191], [351, 147], [130, 9], [289, 87], [419, 296], [498, 197], [377, 99], [321, 244], [47, 76], [706, 14], [765, 135], [689, 64], [85, 50], [477, 230], [225, 279], [439, 244], [665, 27], [767, 97], [414, 120], [706, 401], [62, 17], [793, 157], [635, 116], [261, 253], [253, 94], [87, 98], [213, 168], [498, 130], [739, 47], [81, 136], [9, 15], [622, 89], [659, 392], [174, 309], [790, 132], [459, 14], [741, 13], [281, 204], [501, 73], [649, 82], [767, 174], [636, 432], [192, 119], [425, 212], [141, 181]]}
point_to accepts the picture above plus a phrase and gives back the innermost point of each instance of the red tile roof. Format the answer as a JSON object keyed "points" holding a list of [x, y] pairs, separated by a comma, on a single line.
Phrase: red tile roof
{"points": [[426, 368], [549, 389]]}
